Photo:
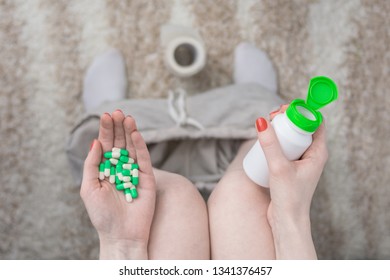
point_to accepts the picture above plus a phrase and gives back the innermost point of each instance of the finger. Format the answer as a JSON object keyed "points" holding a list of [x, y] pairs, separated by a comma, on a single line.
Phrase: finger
{"points": [[142, 153], [270, 145], [106, 132], [119, 131], [130, 127], [318, 150], [320, 133], [91, 167], [281, 109]]}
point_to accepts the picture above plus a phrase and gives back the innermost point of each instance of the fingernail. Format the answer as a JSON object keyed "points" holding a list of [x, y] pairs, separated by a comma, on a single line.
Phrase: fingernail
{"points": [[118, 110], [93, 143], [107, 114], [261, 124], [273, 112]]}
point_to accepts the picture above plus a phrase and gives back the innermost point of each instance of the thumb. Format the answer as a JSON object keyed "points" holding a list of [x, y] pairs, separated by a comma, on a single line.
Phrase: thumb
{"points": [[91, 163], [270, 145]]}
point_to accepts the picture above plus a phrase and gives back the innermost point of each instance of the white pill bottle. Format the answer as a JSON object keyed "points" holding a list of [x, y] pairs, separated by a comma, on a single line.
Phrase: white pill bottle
{"points": [[294, 128]]}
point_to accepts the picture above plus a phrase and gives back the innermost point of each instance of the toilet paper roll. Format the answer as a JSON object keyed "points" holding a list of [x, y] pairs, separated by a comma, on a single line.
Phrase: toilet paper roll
{"points": [[185, 56]]}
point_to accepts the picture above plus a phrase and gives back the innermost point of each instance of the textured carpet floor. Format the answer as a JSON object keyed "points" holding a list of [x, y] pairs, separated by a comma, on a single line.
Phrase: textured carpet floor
{"points": [[46, 46]]}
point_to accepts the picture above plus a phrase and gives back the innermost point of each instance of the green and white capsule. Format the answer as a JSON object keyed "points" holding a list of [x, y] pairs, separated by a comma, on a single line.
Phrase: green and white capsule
{"points": [[126, 166], [123, 186], [135, 178], [109, 155], [126, 159], [123, 152], [112, 175], [101, 171], [107, 168], [135, 173], [128, 195], [130, 166], [126, 179], [133, 192], [116, 150], [119, 171], [114, 161]]}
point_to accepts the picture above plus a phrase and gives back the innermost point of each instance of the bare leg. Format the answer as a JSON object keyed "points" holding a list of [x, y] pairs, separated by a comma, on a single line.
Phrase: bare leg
{"points": [[180, 225], [237, 207]]}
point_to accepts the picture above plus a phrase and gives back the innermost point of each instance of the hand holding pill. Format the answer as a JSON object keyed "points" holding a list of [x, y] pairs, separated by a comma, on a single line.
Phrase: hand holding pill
{"points": [[118, 170]]}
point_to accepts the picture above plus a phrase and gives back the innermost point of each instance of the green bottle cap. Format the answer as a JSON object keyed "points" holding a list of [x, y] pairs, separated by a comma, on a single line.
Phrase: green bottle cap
{"points": [[304, 115], [322, 91]]}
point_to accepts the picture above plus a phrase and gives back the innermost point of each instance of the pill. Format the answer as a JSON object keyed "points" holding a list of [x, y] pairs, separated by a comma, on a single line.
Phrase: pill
{"points": [[119, 171], [115, 155], [134, 173], [135, 181], [116, 150], [126, 172], [112, 175], [122, 171], [101, 171], [107, 168], [126, 166], [133, 192], [126, 159], [130, 166], [134, 166], [117, 180], [135, 178], [109, 155], [124, 186], [126, 179], [128, 196]]}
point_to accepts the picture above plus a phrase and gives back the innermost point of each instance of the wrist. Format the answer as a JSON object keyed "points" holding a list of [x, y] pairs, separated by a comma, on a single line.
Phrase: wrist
{"points": [[293, 239], [290, 227], [121, 249], [285, 223], [283, 219]]}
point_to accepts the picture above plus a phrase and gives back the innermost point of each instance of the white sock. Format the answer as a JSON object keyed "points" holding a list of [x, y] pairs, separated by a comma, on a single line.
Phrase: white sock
{"points": [[252, 65], [105, 80]]}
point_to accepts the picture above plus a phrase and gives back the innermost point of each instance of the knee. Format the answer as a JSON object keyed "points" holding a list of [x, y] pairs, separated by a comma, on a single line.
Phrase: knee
{"points": [[236, 187], [175, 187], [232, 183]]}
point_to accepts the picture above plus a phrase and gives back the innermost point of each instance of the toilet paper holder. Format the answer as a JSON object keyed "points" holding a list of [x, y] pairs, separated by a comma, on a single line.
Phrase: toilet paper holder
{"points": [[183, 48]]}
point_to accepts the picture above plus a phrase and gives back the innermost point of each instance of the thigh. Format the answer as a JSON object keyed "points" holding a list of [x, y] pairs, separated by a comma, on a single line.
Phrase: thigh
{"points": [[237, 209], [180, 224]]}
